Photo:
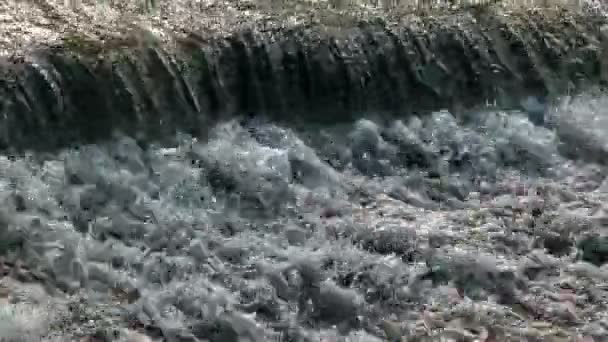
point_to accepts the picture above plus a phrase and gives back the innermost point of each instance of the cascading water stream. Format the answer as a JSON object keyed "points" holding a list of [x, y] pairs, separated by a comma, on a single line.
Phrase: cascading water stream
{"points": [[252, 233], [309, 184]]}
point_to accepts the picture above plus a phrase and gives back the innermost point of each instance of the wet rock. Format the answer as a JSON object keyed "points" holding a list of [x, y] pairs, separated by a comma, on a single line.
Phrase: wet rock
{"points": [[232, 254], [390, 240], [93, 199], [475, 278], [594, 249], [335, 305], [557, 245], [535, 110], [119, 226], [10, 239]]}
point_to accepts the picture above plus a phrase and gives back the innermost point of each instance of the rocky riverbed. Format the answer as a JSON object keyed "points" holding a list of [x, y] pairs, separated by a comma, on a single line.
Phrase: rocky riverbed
{"points": [[421, 228], [397, 176]]}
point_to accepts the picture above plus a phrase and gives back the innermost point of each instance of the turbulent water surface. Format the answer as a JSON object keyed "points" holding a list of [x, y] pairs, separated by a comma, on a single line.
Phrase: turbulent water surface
{"points": [[362, 231]]}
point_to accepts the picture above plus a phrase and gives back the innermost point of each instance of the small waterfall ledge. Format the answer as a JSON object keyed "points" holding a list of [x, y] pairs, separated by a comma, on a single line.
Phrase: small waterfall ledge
{"points": [[87, 87]]}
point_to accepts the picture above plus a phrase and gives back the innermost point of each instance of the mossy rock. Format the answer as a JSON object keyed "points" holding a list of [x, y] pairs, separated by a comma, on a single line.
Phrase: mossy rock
{"points": [[85, 46], [594, 249], [10, 241], [82, 44]]}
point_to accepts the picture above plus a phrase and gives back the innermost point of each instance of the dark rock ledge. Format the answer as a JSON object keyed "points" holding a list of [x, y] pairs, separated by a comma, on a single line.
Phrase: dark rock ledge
{"points": [[84, 87]]}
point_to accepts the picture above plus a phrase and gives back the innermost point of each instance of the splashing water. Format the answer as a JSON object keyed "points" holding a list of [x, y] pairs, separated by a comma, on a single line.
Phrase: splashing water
{"points": [[267, 233]]}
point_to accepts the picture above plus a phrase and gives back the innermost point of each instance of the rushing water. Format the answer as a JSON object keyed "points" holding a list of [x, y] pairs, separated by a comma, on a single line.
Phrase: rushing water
{"points": [[264, 232]]}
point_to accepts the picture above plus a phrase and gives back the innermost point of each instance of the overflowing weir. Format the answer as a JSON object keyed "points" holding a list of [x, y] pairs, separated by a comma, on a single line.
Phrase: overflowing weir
{"points": [[338, 177], [89, 88]]}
